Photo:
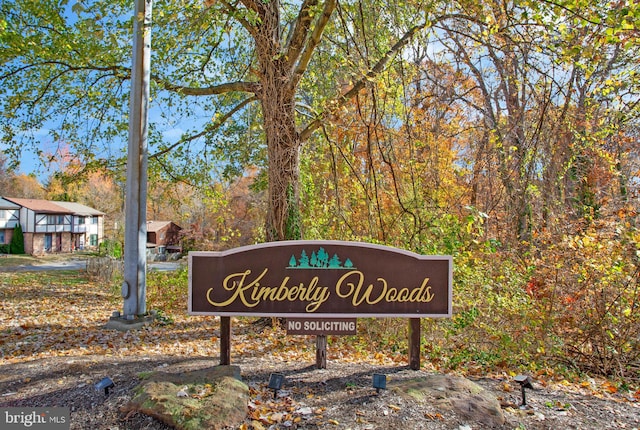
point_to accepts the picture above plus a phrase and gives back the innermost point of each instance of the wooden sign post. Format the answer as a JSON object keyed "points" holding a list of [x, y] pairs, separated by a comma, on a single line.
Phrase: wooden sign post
{"points": [[321, 327], [320, 281]]}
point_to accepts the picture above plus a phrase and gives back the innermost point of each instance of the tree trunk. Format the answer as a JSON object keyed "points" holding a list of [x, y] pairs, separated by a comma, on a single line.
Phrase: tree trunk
{"points": [[283, 146], [277, 97]]}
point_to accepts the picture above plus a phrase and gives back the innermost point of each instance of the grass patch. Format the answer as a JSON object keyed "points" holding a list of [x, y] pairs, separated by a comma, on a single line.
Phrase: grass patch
{"points": [[11, 260]]}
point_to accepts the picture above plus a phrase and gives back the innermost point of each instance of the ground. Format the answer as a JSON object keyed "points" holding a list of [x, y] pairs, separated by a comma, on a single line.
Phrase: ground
{"points": [[339, 397], [54, 348]]}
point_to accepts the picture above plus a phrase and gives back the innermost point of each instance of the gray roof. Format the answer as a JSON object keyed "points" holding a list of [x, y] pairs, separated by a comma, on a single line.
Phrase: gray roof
{"points": [[79, 209]]}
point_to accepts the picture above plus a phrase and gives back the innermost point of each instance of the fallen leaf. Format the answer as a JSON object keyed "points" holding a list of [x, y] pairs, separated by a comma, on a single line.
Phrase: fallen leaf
{"points": [[257, 425], [506, 386]]}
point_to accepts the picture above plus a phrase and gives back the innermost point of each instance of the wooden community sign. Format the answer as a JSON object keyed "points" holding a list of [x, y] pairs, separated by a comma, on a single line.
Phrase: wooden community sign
{"points": [[314, 281]]}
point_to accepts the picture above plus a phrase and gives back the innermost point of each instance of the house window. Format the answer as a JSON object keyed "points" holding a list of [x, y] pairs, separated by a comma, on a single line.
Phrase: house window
{"points": [[55, 219], [94, 220], [93, 240], [82, 220], [2, 236]]}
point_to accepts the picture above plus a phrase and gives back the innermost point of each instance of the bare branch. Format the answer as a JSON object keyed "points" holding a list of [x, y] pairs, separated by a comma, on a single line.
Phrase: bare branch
{"points": [[240, 86], [118, 71], [299, 32], [314, 40], [360, 84], [208, 129], [232, 11]]}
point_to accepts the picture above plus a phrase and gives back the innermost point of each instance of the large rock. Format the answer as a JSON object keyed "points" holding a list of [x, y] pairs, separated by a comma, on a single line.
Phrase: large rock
{"points": [[213, 398], [470, 401]]}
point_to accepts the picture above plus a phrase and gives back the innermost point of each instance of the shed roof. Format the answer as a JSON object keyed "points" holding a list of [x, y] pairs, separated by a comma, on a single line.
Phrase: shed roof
{"points": [[159, 225]]}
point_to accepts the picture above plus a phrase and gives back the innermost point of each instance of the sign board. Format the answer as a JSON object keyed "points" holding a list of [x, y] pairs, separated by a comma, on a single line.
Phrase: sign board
{"points": [[321, 326], [320, 279]]}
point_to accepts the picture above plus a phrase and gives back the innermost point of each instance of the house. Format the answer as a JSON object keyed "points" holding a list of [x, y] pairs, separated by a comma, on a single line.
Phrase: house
{"points": [[87, 226], [163, 237], [51, 226], [9, 219]]}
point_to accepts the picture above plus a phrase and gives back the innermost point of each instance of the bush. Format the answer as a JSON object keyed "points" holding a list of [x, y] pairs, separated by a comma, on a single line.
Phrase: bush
{"points": [[17, 241], [105, 269], [111, 248], [587, 297], [491, 325]]}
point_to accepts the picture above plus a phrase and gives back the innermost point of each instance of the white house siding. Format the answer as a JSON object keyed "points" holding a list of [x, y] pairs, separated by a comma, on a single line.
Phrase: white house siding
{"points": [[50, 226], [9, 219]]}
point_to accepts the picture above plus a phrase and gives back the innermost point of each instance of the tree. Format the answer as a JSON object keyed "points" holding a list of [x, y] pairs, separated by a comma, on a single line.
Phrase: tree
{"points": [[249, 83], [27, 187], [544, 74], [17, 241], [212, 63], [6, 176]]}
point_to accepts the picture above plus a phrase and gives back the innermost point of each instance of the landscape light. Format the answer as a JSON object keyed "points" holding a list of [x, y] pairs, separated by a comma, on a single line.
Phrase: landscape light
{"points": [[105, 383], [275, 382], [525, 382], [379, 382]]}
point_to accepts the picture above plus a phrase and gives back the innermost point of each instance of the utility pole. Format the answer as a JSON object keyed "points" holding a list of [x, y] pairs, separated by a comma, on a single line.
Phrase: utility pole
{"points": [[134, 288]]}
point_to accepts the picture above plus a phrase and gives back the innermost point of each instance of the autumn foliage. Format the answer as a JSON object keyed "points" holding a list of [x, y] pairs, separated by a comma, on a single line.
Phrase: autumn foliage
{"points": [[508, 142]]}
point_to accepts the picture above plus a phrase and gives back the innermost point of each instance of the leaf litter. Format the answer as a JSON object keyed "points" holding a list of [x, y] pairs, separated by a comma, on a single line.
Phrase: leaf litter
{"points": [[54, 347]]}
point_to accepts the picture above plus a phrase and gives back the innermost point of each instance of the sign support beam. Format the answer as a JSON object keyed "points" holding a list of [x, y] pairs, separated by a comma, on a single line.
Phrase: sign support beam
{"points": [[321, 352], [225, 341], [414, 343]]}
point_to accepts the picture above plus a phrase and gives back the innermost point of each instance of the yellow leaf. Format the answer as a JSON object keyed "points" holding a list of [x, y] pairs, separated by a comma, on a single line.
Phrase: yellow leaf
{"points": [[257, 425], [334, 422]]}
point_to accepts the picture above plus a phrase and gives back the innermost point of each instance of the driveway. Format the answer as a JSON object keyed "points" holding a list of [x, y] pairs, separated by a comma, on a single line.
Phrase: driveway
{"points": [[81, 264]]}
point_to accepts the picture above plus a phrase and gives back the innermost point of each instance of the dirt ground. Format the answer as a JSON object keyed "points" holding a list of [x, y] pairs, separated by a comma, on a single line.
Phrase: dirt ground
{"points": [[339, 397], [54, 349]]}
